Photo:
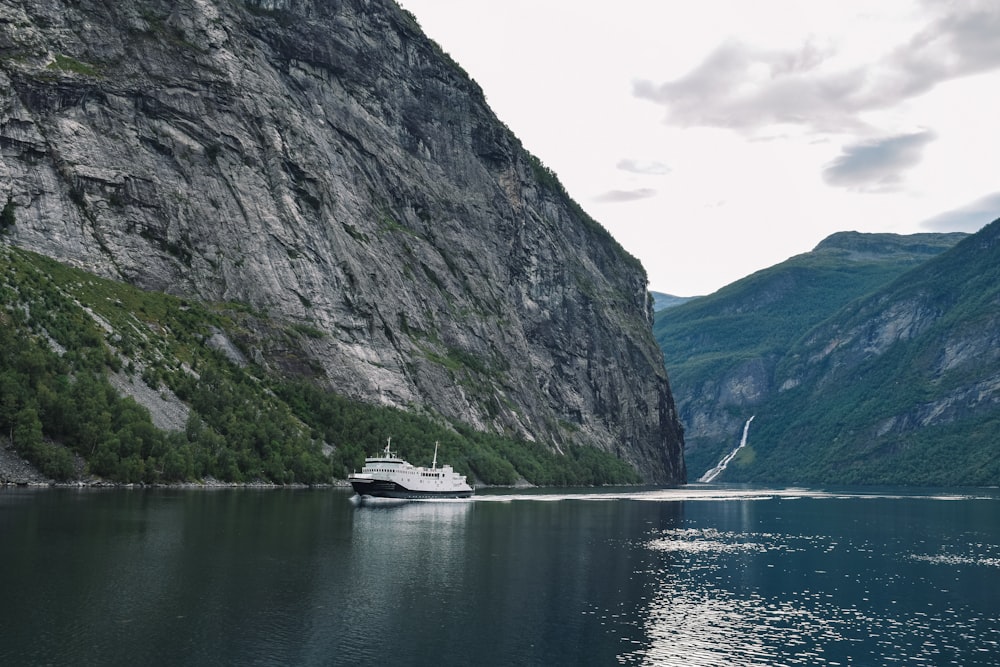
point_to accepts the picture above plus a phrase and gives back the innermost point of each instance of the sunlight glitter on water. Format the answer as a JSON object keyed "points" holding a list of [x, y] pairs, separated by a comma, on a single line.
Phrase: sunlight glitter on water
{"points": [[793, 576], [953, 559], [712, 608]]}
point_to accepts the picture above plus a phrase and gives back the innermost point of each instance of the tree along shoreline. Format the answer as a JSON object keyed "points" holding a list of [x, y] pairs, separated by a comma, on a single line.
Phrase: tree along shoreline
{"points": [[17, 472]]}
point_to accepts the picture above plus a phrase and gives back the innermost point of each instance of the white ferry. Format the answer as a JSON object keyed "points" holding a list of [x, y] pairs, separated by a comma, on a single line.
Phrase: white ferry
{"points": [[388, 476]]}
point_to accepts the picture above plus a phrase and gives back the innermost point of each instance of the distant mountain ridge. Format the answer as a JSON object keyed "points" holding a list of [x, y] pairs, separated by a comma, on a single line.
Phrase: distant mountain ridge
{"points": [[879, 247], [757, 346], [661, 300]]}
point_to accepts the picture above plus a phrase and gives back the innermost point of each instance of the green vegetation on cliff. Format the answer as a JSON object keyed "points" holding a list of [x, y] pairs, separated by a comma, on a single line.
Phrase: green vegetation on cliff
{"points": [[71, 344], [900, 388], [868, 360]]}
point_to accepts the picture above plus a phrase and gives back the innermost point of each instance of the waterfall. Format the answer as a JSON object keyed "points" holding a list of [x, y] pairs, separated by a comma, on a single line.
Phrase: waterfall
{"points": [[717, 470]]}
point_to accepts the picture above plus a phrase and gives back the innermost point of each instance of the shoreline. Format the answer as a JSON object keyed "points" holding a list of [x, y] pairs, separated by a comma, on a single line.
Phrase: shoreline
{"points": [[16, 472]]}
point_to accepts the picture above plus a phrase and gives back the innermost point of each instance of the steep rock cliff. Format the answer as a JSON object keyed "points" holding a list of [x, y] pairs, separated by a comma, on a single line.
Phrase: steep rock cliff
{"points": [[326, 163]]}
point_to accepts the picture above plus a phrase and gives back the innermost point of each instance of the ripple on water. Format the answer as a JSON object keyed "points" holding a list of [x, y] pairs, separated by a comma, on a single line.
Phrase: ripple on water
{"points": [[956, 559], [692, 619]]}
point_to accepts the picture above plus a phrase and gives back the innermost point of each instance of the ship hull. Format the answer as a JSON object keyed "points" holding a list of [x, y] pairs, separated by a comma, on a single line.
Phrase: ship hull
{"points": [[385, 489]]}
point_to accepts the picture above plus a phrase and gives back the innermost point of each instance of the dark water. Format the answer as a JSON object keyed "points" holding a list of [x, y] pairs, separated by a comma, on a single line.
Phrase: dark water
{"points": [[700, 576]]}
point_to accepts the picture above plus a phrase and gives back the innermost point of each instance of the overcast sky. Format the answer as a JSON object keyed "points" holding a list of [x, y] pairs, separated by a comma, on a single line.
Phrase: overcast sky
{"points": [[719, 137]]}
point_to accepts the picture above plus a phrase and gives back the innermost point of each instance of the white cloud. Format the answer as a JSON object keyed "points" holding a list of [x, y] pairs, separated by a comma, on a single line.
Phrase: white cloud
{"points": [[969, 218], [617, 196], [645, 167], [877, 166], [747, 88]]}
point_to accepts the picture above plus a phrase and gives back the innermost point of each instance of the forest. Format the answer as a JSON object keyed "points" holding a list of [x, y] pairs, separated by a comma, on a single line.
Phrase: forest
{"points": [[65, 332]]}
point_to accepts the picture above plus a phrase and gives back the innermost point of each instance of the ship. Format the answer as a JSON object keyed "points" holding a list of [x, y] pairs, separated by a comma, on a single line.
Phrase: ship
{"points": [[388, 476]]}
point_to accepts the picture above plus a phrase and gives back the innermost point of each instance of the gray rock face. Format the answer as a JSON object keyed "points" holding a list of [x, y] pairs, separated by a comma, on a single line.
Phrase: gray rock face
{"points": [[327, 164]]}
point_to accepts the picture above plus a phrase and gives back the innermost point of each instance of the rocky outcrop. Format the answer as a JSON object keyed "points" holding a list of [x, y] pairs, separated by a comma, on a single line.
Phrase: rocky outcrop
{"points": [[326, 163], [15, 471]]}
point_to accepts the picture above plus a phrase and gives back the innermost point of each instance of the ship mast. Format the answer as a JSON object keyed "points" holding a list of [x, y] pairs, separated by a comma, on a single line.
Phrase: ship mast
{"points": [[435, 463]]}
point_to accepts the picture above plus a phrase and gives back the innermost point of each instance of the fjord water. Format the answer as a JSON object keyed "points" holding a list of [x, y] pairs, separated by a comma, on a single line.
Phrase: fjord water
{"points": [[706, 575]]}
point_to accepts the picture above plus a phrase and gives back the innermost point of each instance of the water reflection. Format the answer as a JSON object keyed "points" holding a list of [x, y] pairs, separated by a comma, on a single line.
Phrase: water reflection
{"points": [[396, 545], [695, 576], [160, 577], [486, 582]]}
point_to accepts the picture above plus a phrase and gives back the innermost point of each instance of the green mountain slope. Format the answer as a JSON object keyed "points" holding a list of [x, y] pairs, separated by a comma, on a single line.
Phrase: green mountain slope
{"points": [[902, 387], [98, 378], [723, 350]]}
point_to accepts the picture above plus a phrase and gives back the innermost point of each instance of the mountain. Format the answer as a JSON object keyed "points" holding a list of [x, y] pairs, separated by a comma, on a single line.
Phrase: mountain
{"points": [[903, 386], [726, 352], [661, 300], [330, 168], [99, 378]]}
